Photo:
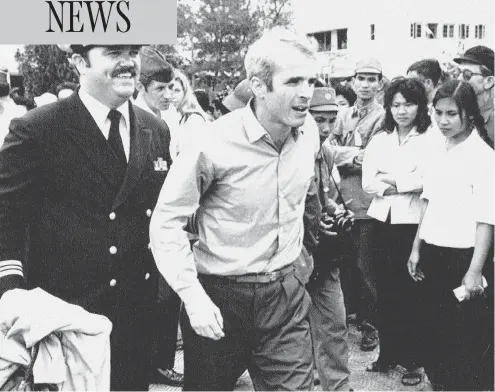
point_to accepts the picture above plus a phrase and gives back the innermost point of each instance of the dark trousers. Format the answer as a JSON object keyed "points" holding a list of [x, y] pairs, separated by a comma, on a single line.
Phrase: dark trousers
{"points": [[267, 331], [459, 334], [130, 345], [357, 273], [399, 305], [167, 325]]}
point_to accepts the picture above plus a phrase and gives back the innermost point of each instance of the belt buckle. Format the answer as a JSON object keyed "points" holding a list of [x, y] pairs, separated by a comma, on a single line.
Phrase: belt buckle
{"points": [[272, 276]]}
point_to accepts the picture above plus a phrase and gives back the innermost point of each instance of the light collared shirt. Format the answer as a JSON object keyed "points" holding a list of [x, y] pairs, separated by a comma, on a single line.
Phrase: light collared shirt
{"points": [[354, 128], [248, 198], [171, 118], [459, 189], [405, 162], [99, 112]]}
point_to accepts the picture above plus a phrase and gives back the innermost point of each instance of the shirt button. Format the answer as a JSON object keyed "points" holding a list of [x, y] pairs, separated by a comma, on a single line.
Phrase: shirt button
{"points": [[112, 216], [113, 282], [113, 250], [147, 276], [148, 212]]}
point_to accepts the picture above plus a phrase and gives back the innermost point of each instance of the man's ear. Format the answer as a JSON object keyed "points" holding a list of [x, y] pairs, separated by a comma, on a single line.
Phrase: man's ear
{"points": [[428, 84], [140, 86], [80, 63], [381, 85], [489, 80], [258, 87]]}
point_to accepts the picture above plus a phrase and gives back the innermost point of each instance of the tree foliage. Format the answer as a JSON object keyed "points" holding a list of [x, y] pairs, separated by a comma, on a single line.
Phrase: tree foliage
{"points": [[44, 67], [220, 32]]}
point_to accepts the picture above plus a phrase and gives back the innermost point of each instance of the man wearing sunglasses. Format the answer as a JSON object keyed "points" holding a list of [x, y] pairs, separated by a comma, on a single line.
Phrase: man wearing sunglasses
{"points": [[476, 66]]}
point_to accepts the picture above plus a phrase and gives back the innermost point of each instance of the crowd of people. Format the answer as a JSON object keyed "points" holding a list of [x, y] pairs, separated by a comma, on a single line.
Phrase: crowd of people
{"points": [[264, 223]]}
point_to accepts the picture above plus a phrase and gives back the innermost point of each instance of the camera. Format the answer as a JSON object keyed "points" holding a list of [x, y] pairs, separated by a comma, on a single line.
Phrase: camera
{"points": [[339, 220]]}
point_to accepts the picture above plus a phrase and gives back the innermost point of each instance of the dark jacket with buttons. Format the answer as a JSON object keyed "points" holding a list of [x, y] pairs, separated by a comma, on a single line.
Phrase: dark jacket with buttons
{"points": [[58, 193], [80, 233]]}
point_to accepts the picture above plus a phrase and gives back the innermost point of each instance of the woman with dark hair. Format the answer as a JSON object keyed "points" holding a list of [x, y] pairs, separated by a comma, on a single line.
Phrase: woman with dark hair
{"points": [[345, 96], [452, 246], [393, 174]]}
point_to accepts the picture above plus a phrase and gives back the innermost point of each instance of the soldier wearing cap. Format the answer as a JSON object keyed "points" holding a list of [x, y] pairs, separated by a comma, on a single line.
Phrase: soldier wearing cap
{"points": [[476, 66], [155, 89], [154, 86], [323, 246], [79, 179], [354, 128], [155, 94]]}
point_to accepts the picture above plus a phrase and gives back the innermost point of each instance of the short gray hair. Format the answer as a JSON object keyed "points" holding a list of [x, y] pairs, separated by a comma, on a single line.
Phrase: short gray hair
{"points": [[271, 49]]}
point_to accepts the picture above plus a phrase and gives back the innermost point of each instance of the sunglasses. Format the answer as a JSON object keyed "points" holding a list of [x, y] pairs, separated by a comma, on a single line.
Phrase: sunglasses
{"points": [[467, 74]]}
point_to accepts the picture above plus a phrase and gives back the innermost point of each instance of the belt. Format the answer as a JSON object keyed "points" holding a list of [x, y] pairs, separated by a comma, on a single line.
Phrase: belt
{"points": [[263, 277]]}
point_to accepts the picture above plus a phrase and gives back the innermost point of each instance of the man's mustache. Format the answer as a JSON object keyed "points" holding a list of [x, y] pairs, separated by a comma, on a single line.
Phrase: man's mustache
{"points": [[122, 70]]}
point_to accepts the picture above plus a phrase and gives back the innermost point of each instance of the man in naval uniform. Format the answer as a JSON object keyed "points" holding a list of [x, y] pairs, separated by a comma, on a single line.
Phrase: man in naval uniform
{"points": [[79, 179]]}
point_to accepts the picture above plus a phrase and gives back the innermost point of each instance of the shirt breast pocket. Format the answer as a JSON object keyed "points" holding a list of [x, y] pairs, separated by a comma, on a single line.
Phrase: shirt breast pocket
{"points": [[296, 192]]}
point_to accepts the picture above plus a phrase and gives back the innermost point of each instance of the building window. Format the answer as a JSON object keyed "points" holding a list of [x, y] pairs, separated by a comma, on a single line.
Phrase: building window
{"points": [[372, 32], [431, 30], [342, 39], [463, 31], [324, 40], [415, 30], [448, 31], [479, 31]]}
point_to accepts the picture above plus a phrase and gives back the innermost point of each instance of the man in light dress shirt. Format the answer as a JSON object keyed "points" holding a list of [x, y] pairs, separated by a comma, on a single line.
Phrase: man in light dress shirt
{"points": [[246, 179]]}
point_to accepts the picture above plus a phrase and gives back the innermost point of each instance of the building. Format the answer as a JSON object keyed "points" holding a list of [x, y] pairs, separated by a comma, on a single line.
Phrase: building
{"points": [[397, 32]]}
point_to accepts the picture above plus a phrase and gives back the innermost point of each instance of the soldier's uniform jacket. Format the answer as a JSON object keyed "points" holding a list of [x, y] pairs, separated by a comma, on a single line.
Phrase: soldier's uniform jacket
{"points": [[80, 233]]}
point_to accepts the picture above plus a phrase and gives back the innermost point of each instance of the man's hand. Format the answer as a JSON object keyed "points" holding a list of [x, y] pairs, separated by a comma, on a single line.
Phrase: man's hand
{"points": [[206, 319], [326, 225], [358, 159]]}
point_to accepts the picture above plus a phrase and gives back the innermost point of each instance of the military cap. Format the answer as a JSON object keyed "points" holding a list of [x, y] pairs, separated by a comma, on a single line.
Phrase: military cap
{"points": [[154, 66], [368, 66], [81, 49], [323, 100]]}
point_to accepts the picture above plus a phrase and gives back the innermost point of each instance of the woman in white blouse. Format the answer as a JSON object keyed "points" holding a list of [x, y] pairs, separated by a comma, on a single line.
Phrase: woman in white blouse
{"points": [[192, 117], [453, 244], [393, 174]]}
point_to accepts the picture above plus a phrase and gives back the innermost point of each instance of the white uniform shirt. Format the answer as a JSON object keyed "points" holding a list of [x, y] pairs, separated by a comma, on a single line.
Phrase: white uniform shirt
{"points": [[459, 189], [405, 163]]}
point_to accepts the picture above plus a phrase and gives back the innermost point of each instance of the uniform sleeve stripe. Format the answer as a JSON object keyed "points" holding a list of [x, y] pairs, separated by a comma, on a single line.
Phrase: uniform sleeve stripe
{"points": [[10, 263], [11, 267], [11, 272]]}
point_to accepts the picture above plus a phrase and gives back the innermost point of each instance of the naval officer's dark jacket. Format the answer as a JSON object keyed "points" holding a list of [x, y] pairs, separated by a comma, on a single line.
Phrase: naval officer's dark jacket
{"points": [[80, 233]]}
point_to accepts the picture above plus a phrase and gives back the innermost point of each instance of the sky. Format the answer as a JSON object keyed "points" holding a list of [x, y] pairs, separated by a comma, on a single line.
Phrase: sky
{"points": [[7, 60]]}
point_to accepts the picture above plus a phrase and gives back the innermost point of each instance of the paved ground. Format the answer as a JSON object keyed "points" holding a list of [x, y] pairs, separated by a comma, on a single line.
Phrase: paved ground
{"points": [[361, 379]]}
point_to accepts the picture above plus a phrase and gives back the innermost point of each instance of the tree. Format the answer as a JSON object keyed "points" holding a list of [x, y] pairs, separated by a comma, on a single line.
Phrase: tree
{"points": [[220, 32], [44, 67]]}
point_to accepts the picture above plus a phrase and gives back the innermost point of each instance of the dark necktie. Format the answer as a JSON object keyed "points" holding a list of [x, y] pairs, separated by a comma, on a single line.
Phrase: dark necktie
{"points": [[114, 139]]}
